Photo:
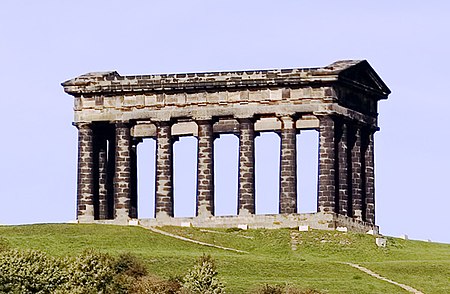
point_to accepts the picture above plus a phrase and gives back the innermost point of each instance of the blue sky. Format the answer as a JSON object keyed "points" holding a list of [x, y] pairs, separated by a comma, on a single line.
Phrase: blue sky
{"points": [[43, 43]]}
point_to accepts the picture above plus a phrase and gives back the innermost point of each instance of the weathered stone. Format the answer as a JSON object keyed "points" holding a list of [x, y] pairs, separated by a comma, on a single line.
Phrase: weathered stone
{"points": [[288, 167], [246, 194], [327, 166], [205, 169], [358, 195], [164, 173], [113, 114], [369, 176], [122, 178], [344, 168], [85, 192]]}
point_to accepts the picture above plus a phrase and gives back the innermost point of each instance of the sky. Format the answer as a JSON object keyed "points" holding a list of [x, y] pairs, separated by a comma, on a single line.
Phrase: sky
{"points": [[43, 43]]}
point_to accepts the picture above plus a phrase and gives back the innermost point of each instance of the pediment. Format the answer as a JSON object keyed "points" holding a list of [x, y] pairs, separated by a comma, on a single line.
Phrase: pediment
{"points": [[363, 77]]}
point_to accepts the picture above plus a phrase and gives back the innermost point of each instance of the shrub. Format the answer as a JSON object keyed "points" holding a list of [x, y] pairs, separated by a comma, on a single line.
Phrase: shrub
{"points": [[90, 272], [4, 244], [269, 289], [30, 271], [130, 265], [283, 289], [202, 278], [154, 285]]}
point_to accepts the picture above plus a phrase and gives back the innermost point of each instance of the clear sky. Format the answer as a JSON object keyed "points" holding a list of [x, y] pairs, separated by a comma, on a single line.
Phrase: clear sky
{"points": [[43, 43]]}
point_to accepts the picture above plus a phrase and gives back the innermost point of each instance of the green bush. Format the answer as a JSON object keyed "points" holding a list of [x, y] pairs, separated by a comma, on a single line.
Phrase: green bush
{"points": [[4, 244], [130, 265], [269, 289], [30, 271], [154, 285], [90, 272], [282, 289], [202, 278]]}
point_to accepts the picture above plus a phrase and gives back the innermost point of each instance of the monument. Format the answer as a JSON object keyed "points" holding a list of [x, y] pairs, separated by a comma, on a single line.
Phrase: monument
{"points": [[113, 113]]}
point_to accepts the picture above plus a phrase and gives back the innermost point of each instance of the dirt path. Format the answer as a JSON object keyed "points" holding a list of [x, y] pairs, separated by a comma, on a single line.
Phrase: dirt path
{"points": [[158, 231], [375, 275]]}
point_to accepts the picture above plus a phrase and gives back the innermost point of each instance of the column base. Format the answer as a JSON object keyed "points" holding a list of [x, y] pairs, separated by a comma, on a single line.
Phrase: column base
{"points": [[357, 214], [86, 219], [162, 215], [122, 216], [244, 212], [203, 212], [319, 221]]}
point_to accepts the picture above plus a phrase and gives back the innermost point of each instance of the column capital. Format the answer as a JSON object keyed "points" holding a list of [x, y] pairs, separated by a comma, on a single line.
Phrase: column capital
{"points": [[287, 122], [163, 123], [82, 125], [122, 124], [204, 121]]}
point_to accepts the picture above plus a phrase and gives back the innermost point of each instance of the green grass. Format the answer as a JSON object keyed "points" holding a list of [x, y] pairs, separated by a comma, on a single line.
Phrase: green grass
{"points": [[315, 264]]}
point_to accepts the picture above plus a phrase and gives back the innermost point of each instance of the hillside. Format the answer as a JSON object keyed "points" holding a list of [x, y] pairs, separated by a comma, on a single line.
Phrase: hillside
{"points": [[316, 263]]}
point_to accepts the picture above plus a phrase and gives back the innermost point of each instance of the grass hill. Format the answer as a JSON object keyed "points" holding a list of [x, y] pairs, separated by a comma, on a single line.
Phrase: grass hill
{"points": [[316, 263]]}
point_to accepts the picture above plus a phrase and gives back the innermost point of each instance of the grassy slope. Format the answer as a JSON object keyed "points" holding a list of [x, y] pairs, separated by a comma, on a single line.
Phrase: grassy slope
{"points": [[316, 263]]}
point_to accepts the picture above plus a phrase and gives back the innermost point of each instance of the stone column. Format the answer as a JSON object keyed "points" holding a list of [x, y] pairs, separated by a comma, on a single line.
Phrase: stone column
{"points": [[85, 190], [327, 166], [164, 174], [205, 169], [102, 175], [358, 194], [369, 177], [344, 169], [246, 198], [122, 187], [288, 167]]}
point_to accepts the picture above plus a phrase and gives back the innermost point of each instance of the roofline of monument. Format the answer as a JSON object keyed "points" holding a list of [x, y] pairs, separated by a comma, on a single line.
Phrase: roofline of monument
{"points": [[112, 83]]}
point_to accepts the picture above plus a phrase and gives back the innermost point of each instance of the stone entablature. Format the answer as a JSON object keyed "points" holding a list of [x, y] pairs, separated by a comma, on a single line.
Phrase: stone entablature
{"points": [[339, 101]]}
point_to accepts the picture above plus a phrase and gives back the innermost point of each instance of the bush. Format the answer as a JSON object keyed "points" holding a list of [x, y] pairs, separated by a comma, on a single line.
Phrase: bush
{"points": [[155, 285], [269, 289], [30, 271], [4, 244], [90, 272], [33, 271], [202, 278], [282, 289], [130, 265]]}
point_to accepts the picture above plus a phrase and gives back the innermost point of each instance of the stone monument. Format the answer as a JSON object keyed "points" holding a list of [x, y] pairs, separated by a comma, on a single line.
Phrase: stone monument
{"points": [[113, 113]]}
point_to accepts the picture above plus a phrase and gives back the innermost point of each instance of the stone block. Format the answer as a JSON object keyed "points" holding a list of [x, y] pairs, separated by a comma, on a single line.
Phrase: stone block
{"points": [[186, 224], [243, 227], [404, 237], [129, 101], [143, 130], [381, 242], [267, 124], [133, 222], [342, 229], [303, 228], [275, 94], [185, 128]]}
